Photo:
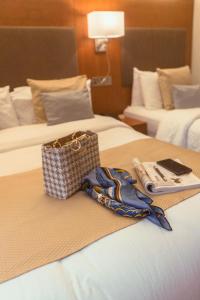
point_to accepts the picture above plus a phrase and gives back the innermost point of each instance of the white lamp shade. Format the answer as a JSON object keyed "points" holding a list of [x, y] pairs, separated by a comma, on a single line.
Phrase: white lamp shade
{"points": [[105, 24]]}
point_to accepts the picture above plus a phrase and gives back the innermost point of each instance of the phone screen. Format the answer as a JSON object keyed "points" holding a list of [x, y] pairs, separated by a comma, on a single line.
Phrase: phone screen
{"points": [[174, 166]]}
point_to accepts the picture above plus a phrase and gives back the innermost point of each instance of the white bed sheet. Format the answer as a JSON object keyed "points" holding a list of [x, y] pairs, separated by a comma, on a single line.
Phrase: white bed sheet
{"points": [[25, 159], [141, 262], [194, 136], [181, 127], [151, 117], [29, 135]]}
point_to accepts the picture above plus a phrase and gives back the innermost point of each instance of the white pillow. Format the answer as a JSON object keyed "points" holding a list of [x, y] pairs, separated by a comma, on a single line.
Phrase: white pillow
{"points": [[22, 102], [25, 89], [150, 90], [137, 97], [8, 117]]}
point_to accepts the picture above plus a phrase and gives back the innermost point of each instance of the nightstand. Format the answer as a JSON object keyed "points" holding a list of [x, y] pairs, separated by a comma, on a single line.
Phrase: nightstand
{"points": [[136, 124]]}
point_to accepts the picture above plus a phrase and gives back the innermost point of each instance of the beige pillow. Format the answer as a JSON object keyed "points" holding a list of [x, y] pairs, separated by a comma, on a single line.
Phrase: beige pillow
{"points": [[168, 77], [38, 86]]}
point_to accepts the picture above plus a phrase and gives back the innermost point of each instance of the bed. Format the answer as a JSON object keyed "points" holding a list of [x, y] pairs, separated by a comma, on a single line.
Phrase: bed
{"points": [[152, 118], [141, 261], [180, 126]]}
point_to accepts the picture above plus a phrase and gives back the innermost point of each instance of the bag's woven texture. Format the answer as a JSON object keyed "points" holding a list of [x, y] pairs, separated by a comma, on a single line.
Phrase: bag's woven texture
{"points": [[65, 164]]}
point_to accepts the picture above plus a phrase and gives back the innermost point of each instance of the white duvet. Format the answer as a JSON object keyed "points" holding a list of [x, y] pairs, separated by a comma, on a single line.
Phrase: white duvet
{"points": [[29, 135], [140, 262], [181, 127]]}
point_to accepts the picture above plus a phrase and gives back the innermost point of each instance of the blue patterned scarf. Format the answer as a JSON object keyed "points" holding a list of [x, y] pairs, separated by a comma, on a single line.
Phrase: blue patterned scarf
{"points": [[114, 188]]}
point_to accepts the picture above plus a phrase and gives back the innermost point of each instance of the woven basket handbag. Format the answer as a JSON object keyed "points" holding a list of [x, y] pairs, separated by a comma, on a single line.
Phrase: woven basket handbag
{"points": [[67, 160]]}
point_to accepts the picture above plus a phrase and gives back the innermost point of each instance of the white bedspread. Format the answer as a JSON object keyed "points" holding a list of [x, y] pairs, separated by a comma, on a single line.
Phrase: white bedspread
{"points": [[29, 135], [176, 128], [151, 117], [25, 159], [194, 136], [140, 262]]}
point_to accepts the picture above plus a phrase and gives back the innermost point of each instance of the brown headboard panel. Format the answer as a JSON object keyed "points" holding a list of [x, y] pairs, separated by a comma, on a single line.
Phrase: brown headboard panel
{"points": [[149, 48], [36, 52]]}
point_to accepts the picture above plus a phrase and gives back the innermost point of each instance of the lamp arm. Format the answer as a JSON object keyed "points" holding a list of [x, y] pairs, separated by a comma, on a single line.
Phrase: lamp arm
{"points": [[104, 78], [108, 63]]}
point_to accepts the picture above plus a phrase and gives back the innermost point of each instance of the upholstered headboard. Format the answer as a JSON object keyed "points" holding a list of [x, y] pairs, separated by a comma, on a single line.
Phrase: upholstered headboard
{"points": [[149, 48], [36, 52]]}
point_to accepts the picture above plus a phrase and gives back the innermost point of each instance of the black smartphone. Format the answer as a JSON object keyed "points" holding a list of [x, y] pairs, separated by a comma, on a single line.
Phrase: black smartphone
{"points": [[174, 166]]}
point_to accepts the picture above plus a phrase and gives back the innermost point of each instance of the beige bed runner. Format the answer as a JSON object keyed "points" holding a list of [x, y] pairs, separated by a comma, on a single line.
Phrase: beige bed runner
{"points": [[36, 229]]}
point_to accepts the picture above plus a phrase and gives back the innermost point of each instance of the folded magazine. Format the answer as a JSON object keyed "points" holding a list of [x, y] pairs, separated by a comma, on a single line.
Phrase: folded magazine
{"points": [[158, 180]]}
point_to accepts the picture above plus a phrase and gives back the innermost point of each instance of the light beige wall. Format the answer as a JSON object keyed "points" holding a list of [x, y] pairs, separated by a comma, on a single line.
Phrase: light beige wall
{"points": [[196, 43]]}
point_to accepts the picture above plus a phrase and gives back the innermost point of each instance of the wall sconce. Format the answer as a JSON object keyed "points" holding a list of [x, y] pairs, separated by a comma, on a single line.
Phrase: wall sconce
{"points": [[104, 25]]}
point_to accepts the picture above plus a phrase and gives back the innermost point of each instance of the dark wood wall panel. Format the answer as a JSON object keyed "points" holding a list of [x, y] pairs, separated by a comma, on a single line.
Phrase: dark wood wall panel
{"points": [[139, 13], [36, 12]]}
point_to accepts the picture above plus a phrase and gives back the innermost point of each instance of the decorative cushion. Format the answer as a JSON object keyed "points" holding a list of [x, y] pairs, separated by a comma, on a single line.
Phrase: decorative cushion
{"points": [[8, 117], [39, 86], [150, 90], [22, 102], [65, 106], [186, 96], [168, 77]]}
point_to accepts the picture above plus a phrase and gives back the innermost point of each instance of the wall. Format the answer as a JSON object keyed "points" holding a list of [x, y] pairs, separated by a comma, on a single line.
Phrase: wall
{"points": [[196, 43], [36, 12], [140, 13]]}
